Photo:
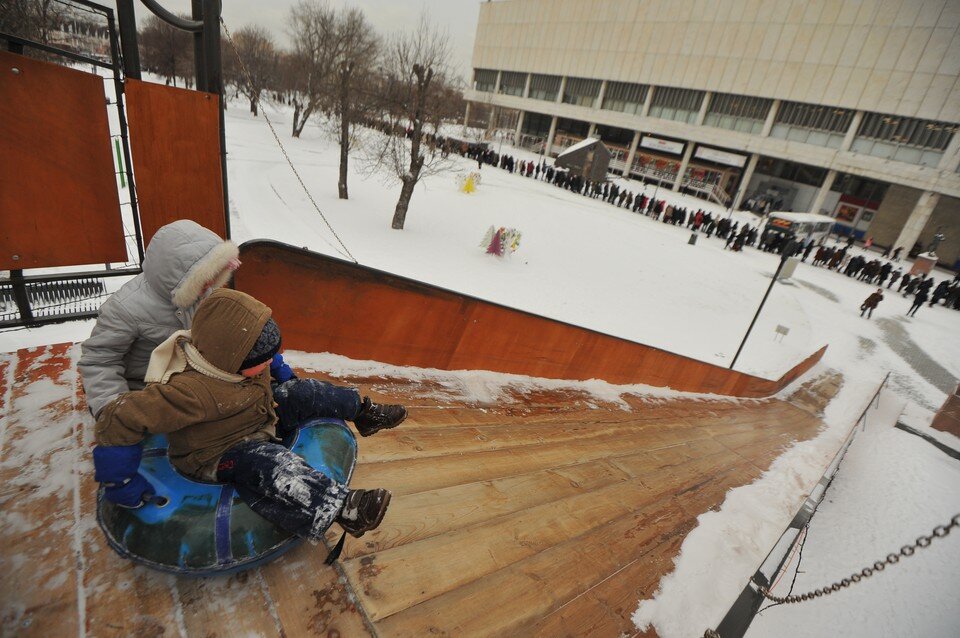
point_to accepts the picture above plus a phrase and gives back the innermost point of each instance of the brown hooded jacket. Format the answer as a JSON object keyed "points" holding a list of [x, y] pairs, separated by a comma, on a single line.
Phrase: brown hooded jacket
{"points": [[201, 415]]}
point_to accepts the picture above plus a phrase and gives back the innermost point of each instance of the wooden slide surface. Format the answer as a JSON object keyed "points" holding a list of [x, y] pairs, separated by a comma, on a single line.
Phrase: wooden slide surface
{"points": [[544, 513]]}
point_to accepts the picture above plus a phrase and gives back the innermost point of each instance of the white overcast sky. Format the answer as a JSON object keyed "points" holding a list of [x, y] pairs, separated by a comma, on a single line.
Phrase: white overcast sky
{"points": [[457, 17]]}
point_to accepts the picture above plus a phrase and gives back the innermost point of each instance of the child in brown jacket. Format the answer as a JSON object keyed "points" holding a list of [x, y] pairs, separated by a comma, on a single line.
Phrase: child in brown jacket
{"points": [[871, 302], [211, 396]]}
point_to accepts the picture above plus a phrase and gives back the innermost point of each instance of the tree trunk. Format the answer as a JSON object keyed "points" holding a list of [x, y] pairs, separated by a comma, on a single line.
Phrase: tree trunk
{"points": [[253, 107], [298, 129], [400, 213], [296, 117], [345, 135]]}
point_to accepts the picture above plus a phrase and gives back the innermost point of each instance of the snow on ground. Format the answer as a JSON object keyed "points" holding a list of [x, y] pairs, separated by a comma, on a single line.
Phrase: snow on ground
{"points": [[594, 265]]}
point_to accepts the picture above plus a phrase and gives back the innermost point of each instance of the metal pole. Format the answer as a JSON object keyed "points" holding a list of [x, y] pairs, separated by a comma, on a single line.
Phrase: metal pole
{"points": [[198, 52], [122, 116], [214, 79], [127, 21], [783, 260]]}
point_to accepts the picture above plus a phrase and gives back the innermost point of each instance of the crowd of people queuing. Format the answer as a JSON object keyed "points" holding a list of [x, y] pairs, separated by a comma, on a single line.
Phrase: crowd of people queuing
{"points": [[839, 257]]}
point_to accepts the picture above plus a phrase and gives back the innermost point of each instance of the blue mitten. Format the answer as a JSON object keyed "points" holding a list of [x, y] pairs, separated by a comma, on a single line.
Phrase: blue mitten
{"points": [[116, 467], [279, 370]]}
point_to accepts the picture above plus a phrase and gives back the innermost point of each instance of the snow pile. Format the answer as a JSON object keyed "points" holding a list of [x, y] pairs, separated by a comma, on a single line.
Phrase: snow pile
{"points": [[482, 387], [721, 554]]}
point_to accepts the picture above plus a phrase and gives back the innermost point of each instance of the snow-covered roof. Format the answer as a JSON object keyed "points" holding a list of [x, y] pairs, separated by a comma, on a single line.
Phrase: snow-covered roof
{"points": [[576, 147]]}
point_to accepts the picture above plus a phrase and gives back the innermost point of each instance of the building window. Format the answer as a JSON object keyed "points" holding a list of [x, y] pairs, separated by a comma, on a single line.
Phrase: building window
{"points": [[681, 105], [536, 124], [484, 80], [544, 87], [512, 83], [621, 96], [581, 91], [812, 124], [737, 112], [903, 139]]}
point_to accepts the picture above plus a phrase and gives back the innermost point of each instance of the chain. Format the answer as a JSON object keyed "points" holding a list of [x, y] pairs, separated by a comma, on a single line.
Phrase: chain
{"points": [[940, 531], [246, 74]]}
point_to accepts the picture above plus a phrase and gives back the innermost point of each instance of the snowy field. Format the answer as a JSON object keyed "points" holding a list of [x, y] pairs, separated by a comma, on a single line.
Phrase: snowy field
{"points": [[598, 266]]}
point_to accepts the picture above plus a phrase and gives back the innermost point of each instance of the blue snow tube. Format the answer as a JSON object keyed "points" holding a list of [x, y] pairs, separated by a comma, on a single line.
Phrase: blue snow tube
{"points": [[204, 529]]}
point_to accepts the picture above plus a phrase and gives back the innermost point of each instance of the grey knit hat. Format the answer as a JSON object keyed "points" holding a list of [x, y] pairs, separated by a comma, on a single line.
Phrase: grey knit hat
{"points": [[267, 345]]}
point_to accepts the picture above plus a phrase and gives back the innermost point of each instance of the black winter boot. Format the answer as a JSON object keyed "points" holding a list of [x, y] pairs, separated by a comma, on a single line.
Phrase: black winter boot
{"points": [[363, 511], [374, 417]]}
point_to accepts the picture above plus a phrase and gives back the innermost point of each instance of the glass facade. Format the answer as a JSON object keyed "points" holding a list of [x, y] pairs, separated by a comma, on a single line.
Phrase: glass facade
{"points": [[544, 87], [581, 92], [738, 112], [484, 79], [682, 105], [512, 83], [812, 124], [903, 139], [628, 98]]}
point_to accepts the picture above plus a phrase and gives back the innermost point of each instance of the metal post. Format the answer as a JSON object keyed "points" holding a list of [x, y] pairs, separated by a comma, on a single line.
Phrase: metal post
{"points": [[214, 81], [15, 47], [133, 65], [783, 260], [127, 20], [198, 50], [21, 297]]}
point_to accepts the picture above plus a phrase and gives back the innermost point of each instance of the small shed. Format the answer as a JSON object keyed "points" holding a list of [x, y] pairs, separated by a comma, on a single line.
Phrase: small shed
{"points": [[589, 158]]}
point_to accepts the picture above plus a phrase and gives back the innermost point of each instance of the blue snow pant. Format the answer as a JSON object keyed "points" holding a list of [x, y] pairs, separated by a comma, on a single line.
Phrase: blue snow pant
{"points": [[301, 399], [282, 487]]}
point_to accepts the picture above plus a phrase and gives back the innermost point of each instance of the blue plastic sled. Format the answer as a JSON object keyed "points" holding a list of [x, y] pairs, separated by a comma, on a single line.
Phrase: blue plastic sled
{"points": [[204, 529]]}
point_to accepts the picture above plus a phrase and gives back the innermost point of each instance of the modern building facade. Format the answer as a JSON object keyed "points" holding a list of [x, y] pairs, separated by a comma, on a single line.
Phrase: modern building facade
{"points": [[849, 107]]}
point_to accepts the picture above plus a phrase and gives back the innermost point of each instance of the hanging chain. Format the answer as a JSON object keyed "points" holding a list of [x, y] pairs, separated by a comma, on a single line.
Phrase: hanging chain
{"points": [[940, 531], [256, 98]]}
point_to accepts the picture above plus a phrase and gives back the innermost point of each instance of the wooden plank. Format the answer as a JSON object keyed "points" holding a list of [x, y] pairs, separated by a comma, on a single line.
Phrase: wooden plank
{"points": [[235, 605], [309, 596], [397, 578], [38, 591]]}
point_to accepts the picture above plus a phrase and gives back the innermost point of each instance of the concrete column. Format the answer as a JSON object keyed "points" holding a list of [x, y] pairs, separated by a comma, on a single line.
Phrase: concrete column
{"points": [[526, 86], [703, 108], [519, 131], [496, 85], [466, 118], [553, 131], [603, 91], [683, 164], [491, 120], [563, 85], [951, 155], [822, 193], [917, 220], [592, 129], [647, 101], [852, 132], [747, 176], [771, 117], [631, 153]]}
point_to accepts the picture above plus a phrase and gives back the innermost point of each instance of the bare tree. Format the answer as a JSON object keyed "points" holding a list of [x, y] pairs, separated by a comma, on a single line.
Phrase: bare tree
{"points": [[166, 50], [359, 52], [415, 73], [255, 48], [31, 19], [316, 49]]}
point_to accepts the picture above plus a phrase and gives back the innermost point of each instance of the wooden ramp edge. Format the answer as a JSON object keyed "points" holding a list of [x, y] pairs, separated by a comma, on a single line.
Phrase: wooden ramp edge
{"points": [[328, 305], [546, 513]]}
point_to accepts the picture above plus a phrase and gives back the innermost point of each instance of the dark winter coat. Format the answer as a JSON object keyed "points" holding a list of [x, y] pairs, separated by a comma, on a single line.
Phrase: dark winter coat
{"points": [[203, 414], [873, 300]]}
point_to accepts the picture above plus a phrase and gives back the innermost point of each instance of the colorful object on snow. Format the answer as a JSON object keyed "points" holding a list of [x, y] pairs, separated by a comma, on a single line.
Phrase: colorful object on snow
{"points": [[205, 529], [501, 241], [468, 183]]}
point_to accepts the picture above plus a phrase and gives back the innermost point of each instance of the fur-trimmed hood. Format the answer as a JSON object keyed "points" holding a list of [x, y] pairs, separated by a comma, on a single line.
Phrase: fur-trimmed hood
{"points": [[183, 257]]}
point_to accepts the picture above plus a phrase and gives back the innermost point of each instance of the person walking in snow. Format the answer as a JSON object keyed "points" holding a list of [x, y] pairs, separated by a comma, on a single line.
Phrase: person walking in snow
{"points": [[918, 301], [871, 303], [894, 276], [221, 362]]}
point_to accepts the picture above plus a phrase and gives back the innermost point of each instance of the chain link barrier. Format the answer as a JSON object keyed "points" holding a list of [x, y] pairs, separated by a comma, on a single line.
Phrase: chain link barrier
{"points": [[283, 150], [940, 531]]}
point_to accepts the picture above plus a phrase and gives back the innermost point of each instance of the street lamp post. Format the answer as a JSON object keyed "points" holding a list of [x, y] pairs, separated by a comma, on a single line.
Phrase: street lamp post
{"points": [[788, 250]]}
